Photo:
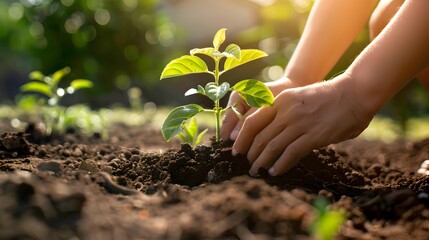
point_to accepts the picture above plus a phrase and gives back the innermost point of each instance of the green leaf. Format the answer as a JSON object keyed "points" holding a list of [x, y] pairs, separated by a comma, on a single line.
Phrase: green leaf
{"points": [[191, 129], [193, 91], [38, 87], [183, 66], [233, 51], [255, 93], [205, 51], [217, 92], [36, 75], [173, 123], [58, 75], [247, 55], [81, 83], [200, 137], [219, 38]]}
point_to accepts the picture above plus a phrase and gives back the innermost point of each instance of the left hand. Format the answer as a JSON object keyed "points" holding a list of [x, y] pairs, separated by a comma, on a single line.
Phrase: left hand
{"points": [[301, 119]]}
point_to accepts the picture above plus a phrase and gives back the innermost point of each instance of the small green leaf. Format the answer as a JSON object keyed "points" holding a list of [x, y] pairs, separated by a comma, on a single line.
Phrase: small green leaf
{"points": [[200, 137], [205, 51], [255, 93], [36, 75], [38, 87], [191, 129], [233, 51], [217, 92], [193, 91], [183, 66], [58, 75], [183, 137], [247, 55], [81, 83], [219, 38], [173, 123]]}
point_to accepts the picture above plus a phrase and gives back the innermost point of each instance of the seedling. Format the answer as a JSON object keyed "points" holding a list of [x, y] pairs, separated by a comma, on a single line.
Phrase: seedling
{"points": [[255, 93], [327, 222], [191, 134], [55, 119]]}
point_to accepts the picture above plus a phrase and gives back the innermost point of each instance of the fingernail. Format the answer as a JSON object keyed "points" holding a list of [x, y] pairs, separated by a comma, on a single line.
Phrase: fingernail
{"points": [[234, 152], [272, 171], [234, 134], [252, 174]]}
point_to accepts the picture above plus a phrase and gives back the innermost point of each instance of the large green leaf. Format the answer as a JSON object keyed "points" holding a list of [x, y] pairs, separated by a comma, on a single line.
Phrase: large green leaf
{"points": [[38, 87], [216, 92], [183, 66], [247, 55], [58, 75], [173, 123], [233, 51], [81, 83], [205, 51], [255, 93], [219, 38]]}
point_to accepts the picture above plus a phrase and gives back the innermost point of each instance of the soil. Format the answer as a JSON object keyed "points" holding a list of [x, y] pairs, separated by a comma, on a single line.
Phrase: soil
{"points": [[136, 186]]}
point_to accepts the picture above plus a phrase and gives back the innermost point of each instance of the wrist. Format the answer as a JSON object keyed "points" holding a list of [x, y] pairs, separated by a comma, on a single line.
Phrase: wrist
{"points": [[363, 106], [372, 96]]}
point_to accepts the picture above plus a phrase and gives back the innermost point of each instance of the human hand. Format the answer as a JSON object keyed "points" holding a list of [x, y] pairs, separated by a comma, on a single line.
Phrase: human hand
{"points": [[301, 119], [231, 123]]}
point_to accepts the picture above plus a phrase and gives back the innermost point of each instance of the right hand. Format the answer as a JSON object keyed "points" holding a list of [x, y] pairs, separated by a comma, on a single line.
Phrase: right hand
{"points": [[231, 124]]}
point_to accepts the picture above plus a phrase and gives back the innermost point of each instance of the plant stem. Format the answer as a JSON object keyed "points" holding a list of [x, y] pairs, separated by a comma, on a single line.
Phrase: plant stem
{"points": [[217, 109]]}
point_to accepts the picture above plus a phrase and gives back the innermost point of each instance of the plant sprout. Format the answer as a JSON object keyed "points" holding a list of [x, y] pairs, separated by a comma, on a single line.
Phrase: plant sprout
{"points": [[54, 118], [191, 134], [327, 222], [255, 93]]}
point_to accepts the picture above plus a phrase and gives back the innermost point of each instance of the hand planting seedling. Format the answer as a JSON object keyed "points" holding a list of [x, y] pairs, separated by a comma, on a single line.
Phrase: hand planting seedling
{"points": [[54, 118], [254, 92]]}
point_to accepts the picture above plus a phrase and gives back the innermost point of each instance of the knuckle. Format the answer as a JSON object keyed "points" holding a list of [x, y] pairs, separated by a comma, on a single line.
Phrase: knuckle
{"points": [[249, 123], [292, 151], [273, 148]]}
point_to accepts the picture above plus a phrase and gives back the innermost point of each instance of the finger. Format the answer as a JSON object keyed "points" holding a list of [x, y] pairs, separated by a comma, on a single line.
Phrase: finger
{"points": [[230, 120], [274, 148], [292, 154], [239, 124], [253, 124], [265, 136]]}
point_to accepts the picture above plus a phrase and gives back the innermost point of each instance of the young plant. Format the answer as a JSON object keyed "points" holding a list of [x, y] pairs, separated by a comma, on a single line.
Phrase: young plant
{"points": [[254, 92], [327, 222], [54, 118], [191, 134]]}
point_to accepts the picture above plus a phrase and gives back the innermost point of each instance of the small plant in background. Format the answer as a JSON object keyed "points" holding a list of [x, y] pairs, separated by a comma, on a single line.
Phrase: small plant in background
{"points": [[54, 115], [327, 222], [254, 92]]}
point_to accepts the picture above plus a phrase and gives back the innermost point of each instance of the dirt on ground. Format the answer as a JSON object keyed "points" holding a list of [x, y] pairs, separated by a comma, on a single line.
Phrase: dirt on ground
{"points": [[136, 186]]}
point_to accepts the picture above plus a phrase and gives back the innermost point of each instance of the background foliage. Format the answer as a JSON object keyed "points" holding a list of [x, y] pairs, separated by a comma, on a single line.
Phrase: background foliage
{"points": [[120, 44]]}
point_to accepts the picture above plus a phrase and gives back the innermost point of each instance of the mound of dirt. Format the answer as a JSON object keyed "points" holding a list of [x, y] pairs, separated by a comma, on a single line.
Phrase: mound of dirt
{"points": [[135, 186]]}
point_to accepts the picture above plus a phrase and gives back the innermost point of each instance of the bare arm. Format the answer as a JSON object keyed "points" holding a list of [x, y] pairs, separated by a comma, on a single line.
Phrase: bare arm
{"points": [[331, 28], [395, 56], [319, 114]]}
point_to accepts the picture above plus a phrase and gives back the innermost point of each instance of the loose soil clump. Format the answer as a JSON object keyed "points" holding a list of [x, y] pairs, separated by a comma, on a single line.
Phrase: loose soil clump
{"points": [[136, 186]]}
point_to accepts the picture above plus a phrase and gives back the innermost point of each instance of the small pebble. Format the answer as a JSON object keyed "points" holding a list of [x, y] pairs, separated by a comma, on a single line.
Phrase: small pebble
{"points": [[424, 168], [50, 166]]}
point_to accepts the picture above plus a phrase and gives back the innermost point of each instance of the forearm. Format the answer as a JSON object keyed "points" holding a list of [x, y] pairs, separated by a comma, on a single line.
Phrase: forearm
{"points": [[330, 29], [399, 52]]}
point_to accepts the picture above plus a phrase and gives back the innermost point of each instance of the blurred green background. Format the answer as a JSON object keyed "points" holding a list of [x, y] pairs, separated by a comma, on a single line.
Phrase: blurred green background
{"points": [[121, 44]]}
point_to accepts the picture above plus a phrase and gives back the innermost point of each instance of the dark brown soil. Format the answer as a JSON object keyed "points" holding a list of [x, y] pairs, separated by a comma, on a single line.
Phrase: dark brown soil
{"points": [[136, 186]]}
